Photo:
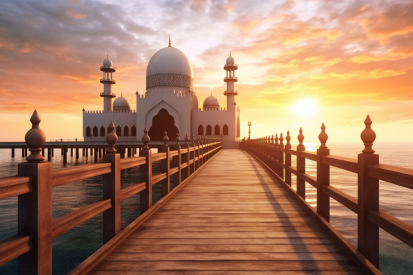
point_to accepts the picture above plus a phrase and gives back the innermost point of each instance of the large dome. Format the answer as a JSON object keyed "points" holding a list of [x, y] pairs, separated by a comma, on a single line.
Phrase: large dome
{"points": [[169, 67]]}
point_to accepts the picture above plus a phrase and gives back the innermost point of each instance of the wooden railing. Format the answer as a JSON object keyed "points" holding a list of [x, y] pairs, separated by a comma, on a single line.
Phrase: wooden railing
{"points": [[277, 157], [36, 179]]}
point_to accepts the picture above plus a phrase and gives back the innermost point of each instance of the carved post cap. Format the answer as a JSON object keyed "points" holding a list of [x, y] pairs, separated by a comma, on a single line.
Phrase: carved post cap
{"points": [[165, 139], [35, 139], [177, 139], [186, 138], [288, 138], [368, 136], [323, 137], [276, 139], [145, 139], [111, 139], [281, 138]]}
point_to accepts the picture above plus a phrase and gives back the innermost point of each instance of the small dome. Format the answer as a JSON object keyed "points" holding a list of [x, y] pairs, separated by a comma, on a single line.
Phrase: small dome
{"points": [[230, 60], [107, 63], [121, 103], [211, 102]]}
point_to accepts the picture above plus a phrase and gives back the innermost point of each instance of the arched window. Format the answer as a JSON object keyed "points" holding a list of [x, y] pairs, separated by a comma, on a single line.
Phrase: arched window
{"points": [[119, 131], [95, 131], [225, 130], [102, 131], [133, 131], [217, 133], [209, 130], [126, 131], [88, 133], [200, 130]]}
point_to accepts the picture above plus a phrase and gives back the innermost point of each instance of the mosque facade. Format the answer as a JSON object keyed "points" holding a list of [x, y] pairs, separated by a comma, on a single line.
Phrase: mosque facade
{"points": [[169, 104]]}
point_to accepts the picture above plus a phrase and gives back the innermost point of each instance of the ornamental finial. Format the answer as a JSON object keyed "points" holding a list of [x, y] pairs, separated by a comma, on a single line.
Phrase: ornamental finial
{"points": [[368, 136], [281, 140], [323, 137], [145, 139], [107, 55], [186, 138], [288, 138], [229, 53], [169, 41], [35, 139], [165, 139], [300, 138], [178, 138], [276, 139], [111, 139]]}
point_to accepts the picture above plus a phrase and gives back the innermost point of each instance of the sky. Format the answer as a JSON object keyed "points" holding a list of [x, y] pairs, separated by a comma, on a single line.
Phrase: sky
{"points": [[301, 63]]}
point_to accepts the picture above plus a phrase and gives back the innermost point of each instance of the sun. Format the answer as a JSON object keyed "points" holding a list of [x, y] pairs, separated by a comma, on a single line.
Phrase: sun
{"points": [[304, 108]]}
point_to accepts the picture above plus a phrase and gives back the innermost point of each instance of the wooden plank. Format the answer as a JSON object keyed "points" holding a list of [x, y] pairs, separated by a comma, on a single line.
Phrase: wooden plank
{"points": [[222, 241], [157, 178], [132, 190], [14, 186], [13, 247], [401, 230], [343, 198], [392, 174], [229, 265], [79, 216], [158, 156], [220, 272], [308, 155], [342, 163], [131, 162], [75, 173]]}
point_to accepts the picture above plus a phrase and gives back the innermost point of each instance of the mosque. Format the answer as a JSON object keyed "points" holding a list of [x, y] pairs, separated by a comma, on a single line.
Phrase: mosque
{"points": [[169, 104]]}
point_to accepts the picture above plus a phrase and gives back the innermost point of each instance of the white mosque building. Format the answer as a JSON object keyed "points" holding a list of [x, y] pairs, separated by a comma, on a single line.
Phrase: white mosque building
{"points": [[169, 104]]}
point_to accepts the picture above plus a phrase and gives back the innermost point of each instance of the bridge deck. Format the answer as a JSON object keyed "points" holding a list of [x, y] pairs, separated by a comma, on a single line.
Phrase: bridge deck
{"points": [[233, 217]]}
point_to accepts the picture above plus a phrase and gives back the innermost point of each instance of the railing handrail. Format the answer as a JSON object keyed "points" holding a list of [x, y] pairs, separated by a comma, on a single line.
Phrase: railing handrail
{"points": [[37, 179], [278, 158]]}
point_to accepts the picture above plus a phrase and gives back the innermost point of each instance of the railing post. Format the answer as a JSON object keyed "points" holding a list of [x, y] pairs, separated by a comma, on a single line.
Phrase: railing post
{"points": [[77, 152], [193, 155], [187, 171], [323, 176], [287, 159], [165, 167], [277, 163], [146, 173], [112, 188], [368, 197], [49, 154], [177, 162], [300, 165], [281, 156], [35, 208]]}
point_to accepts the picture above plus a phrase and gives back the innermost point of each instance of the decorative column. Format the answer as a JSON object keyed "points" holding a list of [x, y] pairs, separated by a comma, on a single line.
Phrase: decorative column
{"points": [[165, 167], [146, 173], [35, 208], [323, 176], [300, 165], [112, 188], [368, 197]]}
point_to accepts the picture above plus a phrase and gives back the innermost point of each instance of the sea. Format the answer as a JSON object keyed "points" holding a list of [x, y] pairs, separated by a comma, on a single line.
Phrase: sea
{"points": [[74, 246]]}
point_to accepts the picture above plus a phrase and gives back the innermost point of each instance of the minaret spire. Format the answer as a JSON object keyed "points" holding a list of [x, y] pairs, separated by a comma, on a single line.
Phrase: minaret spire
{"points": [[169, 41]]}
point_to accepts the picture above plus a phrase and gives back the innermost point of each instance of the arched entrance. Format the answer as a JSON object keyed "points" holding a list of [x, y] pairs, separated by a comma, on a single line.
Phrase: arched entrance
{"points": [[162, 122]]}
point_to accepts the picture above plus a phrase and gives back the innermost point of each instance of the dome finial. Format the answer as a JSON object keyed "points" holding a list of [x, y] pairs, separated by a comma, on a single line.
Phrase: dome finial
{"points": [[169, 41], [229, 53], [121, 94], [107, 55]]}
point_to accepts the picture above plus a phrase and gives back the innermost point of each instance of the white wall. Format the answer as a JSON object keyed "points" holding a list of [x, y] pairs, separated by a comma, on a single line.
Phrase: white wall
{"points": [[103, 119]]}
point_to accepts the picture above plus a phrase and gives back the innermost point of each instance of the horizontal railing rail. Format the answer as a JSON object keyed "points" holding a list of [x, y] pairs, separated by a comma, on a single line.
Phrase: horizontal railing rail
{"points": [[36, 179], [277, 156]]}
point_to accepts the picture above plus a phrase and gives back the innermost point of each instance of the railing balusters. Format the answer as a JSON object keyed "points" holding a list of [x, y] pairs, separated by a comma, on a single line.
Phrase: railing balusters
{"points": [[112, 188], [281, 156], [177, 162], [287, 159]]}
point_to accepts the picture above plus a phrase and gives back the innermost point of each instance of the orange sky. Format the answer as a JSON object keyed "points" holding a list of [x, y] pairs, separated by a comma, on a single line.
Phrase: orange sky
{"points": [[351, 58]]}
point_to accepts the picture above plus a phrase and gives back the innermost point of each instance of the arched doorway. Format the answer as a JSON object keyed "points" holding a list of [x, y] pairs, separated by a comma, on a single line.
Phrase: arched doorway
{"points": [[162, 122]]}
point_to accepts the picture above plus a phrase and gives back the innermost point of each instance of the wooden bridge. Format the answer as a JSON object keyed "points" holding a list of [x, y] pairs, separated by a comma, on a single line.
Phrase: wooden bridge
{"points": [[229, 211]]}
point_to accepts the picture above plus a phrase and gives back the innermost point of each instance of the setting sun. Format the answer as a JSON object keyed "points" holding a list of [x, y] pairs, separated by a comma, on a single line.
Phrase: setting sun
{"points": [[304, 108]]}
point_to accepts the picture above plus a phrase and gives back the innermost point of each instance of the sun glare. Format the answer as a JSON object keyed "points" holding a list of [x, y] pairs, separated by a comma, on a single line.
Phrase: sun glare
{"points": [[304, 108]]}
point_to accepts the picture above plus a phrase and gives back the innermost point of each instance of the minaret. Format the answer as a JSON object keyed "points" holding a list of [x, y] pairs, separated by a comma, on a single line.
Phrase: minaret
{"points": [[107, 81], [230, 79]]}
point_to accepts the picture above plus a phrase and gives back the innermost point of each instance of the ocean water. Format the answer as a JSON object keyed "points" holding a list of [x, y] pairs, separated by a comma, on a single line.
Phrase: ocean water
{"points": [[69, 249]]}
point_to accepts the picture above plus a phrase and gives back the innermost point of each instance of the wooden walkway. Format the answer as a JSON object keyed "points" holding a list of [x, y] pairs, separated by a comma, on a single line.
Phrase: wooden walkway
{"points": [[233, 217]]}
